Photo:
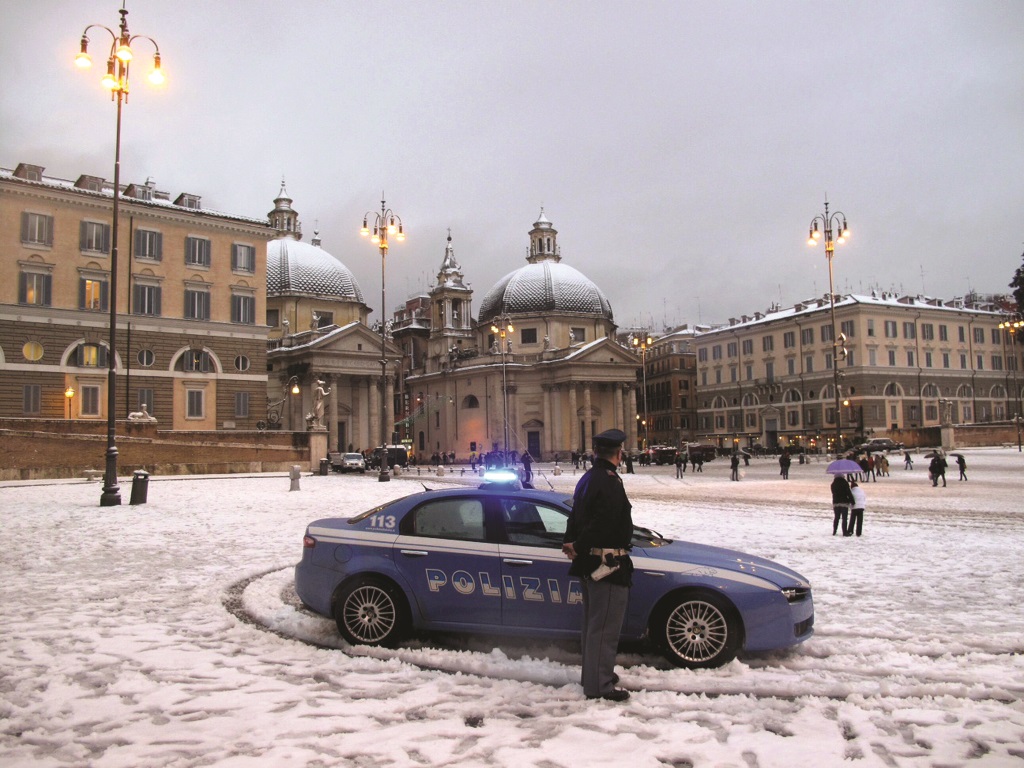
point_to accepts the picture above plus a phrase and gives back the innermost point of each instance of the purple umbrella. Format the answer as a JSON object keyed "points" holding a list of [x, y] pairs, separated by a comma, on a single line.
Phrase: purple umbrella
{"points": [[843, 467]]}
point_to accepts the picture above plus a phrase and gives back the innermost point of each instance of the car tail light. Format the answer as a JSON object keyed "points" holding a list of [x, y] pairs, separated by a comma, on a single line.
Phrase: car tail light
{"points": [[308, 542]]}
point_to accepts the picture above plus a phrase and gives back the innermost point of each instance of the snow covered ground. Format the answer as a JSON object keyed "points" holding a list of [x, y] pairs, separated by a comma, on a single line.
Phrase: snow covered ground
{"points": [[168, 634]]}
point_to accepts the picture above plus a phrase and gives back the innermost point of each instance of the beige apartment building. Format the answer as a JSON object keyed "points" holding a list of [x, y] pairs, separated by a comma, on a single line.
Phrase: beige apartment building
{"points": [[768, 379], [191, 303]]}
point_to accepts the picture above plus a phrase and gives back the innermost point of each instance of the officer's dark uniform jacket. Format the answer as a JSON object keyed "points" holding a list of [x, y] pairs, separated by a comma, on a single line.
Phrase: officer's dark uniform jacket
{"points": [[601, 517]]}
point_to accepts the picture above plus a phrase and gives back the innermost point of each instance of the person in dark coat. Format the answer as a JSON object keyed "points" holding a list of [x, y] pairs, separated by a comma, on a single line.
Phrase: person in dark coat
{"points": [[734, 465], [961, 464], [598, 537], [679, 465], [937, 469], [784, 463], [842, 500], [527, 460]]}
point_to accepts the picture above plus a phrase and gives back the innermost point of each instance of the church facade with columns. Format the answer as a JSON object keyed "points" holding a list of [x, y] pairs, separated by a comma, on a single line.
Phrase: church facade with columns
{"points": [[538, 370]]}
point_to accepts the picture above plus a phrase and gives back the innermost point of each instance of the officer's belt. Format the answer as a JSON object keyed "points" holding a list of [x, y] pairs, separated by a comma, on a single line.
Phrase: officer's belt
{"points": [[602, 552]]}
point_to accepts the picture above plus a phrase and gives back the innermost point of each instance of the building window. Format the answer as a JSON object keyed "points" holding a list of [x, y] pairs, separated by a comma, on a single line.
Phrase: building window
{"points": [[197, 305], [528, 336], [890, 329], [241, 363], [196, 361], [94, 236], [871, 327], [789, 339], [241, 405], [32, 351], [909, 331], [892, 357], [195, 404], [149, 244], [730, 350], [580, 334], [146, 358], [89, 402], [963, 362], [945, 359], [91, 356], [716, 352], [807, 336], [243, 258], [828, 361], [927, 331], [847, 327], [702, 354], [793, 418], [910, 358], [872, 356], [273, 317], [144, 399], [31, 399], [35, 289], [748, 346], [243, 309], [146, 300], [981, 363], [809, 364], [979, 335], [197, 252], [750, 372], [826, 333], [36, 229], [927, 359], [995, 336], [769, 371], [767, 343], [943, 333], [791, 366], [326, 319], [93, 294]]}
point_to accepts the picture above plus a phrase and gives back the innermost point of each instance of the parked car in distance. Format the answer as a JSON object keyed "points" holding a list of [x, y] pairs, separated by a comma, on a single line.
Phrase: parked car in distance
{"points": [[881, 444], [702, 452], [352, 462], [488, 560]]}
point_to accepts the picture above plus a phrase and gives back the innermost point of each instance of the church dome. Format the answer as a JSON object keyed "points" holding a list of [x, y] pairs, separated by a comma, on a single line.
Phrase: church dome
{"points": [[544, 285], [295, 267]]}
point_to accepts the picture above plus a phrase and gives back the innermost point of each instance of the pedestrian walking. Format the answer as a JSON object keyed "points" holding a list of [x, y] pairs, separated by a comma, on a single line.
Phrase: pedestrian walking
{"points": [[527, 460], [734, 465], [961, 464], [842, 500], [679, 466], [597, 540], [860, 502], [784, 462], [908, 462], [937, 469]]}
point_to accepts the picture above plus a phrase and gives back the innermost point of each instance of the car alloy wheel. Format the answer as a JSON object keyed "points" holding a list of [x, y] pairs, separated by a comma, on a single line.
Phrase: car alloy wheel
{"points": [[369, 612], [700, 631]]}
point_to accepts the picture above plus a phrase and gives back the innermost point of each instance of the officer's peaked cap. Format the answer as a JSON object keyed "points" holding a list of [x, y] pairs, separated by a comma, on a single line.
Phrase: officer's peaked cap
{"points": [[610, 438]]}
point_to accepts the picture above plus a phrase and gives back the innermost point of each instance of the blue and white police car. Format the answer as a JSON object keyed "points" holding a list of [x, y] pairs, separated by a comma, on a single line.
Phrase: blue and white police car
{"points": [[488, 560]]}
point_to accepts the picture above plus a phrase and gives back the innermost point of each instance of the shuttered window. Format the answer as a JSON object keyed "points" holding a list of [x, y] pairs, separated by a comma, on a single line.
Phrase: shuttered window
{"points": [[149, 244], [35, 288], [36, 229], [94, 236], [197, 252]]}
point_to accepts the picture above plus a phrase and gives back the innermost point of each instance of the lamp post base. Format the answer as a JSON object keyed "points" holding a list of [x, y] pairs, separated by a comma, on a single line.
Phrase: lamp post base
{"points": [[111, 496], [384, 476]]}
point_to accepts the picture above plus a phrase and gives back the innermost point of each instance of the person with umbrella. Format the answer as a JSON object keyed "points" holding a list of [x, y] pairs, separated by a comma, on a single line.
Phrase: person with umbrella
{"points": [[937, 469], [961, 464], [842, 500]]}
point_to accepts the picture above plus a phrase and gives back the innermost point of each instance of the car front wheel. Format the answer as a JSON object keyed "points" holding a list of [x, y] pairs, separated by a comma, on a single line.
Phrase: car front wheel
{"points": [[697, 630], [371, 611]]}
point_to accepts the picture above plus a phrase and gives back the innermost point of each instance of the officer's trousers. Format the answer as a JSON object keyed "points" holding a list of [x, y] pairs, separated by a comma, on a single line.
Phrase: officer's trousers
{"points": [[604, 608]]}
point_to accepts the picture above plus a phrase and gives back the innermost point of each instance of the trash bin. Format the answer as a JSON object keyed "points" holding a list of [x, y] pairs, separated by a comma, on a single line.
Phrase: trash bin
{"points": [[140, 486], [801, 458], [325, 466]]}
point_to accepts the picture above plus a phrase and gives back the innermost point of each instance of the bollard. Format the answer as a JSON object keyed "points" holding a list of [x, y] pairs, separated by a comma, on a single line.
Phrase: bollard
{"points": [[396, 470], [294, 473], [440, 471], [558, 470], [140, 486]]}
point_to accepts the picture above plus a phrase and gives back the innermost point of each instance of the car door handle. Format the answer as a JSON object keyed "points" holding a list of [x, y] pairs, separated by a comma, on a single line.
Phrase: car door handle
{"points": [[518, 562], [414, 552]]}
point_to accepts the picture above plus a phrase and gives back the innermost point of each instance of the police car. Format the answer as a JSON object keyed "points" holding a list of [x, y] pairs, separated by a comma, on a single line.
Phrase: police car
{"points": [[488, 560]]}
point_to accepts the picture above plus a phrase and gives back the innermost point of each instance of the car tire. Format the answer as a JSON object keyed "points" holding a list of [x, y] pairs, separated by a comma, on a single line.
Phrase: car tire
{"points": [[697, 630], [371, 611]]}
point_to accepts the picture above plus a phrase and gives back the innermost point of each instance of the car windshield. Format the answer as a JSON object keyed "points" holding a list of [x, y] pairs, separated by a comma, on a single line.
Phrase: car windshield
{"points": [[363, 515], [354, 456]]}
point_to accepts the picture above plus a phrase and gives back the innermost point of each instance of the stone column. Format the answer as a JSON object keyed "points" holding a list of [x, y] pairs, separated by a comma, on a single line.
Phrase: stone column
{"points": [[332, 414], [513, 420], [373, 385], [574, 425], [617, 407], [631, 419], [545, 443], [389, 408], [356, 420], [588, 416], [557, 426]]}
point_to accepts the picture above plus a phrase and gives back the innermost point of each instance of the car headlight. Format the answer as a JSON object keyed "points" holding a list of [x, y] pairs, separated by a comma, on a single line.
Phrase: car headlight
{"points": [[796, 594]]}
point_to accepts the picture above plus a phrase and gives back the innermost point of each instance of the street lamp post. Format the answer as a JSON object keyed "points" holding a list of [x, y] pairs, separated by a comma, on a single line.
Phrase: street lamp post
{"points": [[827, 221], [502, 326], [1011, 326], [68, 394], [640, 343], [385, 223], [117, 82]]}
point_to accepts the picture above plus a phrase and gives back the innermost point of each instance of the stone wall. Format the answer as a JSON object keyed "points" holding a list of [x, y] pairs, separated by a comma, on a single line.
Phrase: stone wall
{"points": [[52, 448]]}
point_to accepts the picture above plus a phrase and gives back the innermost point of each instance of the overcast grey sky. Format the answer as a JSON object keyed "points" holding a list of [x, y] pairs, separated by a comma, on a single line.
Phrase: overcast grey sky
{"points": [[681, 149]]}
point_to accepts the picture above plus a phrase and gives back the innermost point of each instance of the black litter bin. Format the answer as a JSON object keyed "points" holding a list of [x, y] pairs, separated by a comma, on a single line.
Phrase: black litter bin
{"points": [[140, 486], [325, 466]]}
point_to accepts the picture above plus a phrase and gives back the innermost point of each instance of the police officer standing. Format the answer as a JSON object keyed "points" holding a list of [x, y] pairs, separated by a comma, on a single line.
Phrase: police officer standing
{"points": [[598, 539]]}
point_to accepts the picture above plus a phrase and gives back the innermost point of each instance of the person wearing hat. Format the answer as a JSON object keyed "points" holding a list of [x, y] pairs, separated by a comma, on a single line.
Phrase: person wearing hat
{"points": [[597, 540]]}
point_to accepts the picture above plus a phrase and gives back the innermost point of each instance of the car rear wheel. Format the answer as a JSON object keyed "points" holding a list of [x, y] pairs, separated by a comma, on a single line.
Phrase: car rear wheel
{"points": [[697, 630], [371, 611]]}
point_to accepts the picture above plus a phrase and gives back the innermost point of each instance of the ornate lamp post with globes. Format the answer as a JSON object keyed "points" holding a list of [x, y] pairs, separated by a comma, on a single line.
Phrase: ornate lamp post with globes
{"points": [[1012, 326], [501, 326], [117, 82], [641, 342], [385, 223], [827, 222]]}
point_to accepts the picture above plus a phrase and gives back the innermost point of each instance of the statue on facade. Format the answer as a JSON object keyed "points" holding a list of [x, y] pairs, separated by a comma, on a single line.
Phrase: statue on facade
{"points": [[314, 323], [141, 415], [286, 327], [316, 417]]}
